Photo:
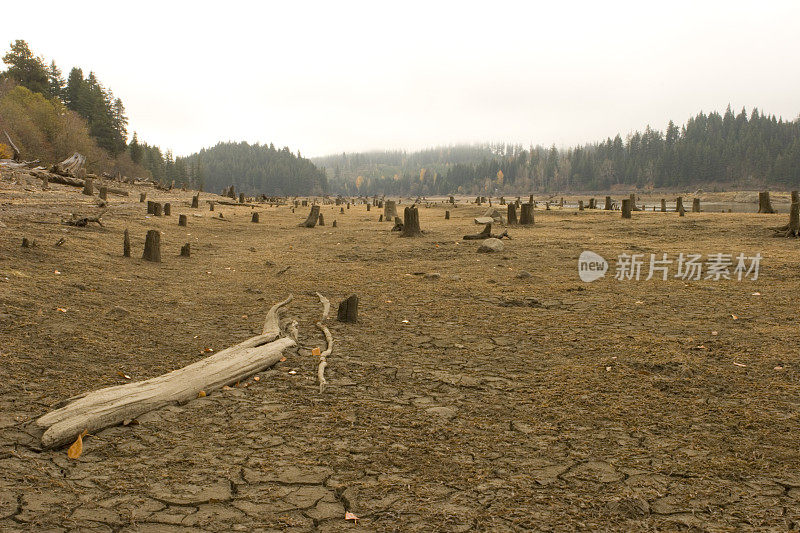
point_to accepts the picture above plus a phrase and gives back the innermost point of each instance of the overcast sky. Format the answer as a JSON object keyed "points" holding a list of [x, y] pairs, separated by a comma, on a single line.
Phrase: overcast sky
{"points": [[324, 77]]}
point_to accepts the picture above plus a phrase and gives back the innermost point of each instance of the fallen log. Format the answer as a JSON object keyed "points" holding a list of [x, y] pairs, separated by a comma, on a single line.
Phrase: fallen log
{"points": [[14, 148], [85, 220], [113, 405], [72, 182]]}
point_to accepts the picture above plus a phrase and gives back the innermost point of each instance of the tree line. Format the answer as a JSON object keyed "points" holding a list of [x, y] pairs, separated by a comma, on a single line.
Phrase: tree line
{"points": [[737, 150]]}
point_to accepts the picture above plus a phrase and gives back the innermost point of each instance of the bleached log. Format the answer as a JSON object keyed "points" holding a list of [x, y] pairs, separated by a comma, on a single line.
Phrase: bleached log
{"points": [[113, 405], [71, 166]]}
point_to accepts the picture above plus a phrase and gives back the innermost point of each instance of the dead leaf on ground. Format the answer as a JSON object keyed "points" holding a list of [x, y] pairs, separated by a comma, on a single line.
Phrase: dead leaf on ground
{"points": [[76, 449]]}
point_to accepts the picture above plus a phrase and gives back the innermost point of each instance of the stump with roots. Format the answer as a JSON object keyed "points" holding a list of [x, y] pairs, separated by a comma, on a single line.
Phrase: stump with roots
{"points": [[321, 220], [313, 217], [696, 205], [626, 207], [152, 246], [167, 210], [663, 205], [411, 222], [447, 215], [792, 229], [608, 205], [389, 210], [195, 201], [254, 218], [764, 204], [104, 193], [142, 197], [126, 244], [679, 204], [348, 309], [182, 220], [592, 204], [512, 214], [157, 209], [526, 214], [186, 250]]}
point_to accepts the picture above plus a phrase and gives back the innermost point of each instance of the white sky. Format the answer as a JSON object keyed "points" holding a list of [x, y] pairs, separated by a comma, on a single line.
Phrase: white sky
{"points": [[326, 77]]}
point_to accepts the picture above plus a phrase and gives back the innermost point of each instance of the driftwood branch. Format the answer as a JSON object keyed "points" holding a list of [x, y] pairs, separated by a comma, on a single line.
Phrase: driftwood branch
{"points": [[110, 406], [83, 221], [13, 146]]}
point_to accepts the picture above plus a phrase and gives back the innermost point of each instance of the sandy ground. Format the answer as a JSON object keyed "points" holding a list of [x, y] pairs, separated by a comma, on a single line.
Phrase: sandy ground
{"points": [[475, 400]]}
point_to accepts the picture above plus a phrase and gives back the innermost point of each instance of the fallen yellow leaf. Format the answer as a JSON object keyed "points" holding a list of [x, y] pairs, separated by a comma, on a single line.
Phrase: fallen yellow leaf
{"points": [[76, 449], [201, 394], [315, 351]]}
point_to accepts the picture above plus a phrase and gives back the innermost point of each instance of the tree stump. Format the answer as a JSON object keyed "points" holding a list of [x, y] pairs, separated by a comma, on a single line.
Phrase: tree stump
{"points": [[104, 193], [126, 244], [334, 223], [411, 222], [27, 243], [46, 183], [305, 203], [341, 210], [592, 204], [142, 197], [696, 205], [764, 204], [447, 215], [792, 229], [626, 207], [380, 218], [182, 220], [512, 214], [663, 205], [679, 204], [150, 207], [526, 214], [368, 207], [313, 217], [580, 205], [608, 205], [348, 310], [157, 209], [795, 197], [254, 218], [152, 246], [389, 210], [88, 187], [167, 210], [186, 250], [210, 206], [321, 220], [195, 201], [241, 197]]}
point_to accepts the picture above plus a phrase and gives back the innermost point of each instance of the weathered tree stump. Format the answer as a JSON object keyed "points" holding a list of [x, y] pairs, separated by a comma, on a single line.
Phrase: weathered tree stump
{"points": [[696, 205], [254, 218], [150, 207], [447, 215], [157, 209], [313, 217], [88, 187], [526, 214], [142, 197], [341, 210], [182, 220], [321, 220], [241, 197], [663, 205], [792, 229], [186, 250], [512, 214], [152, 246], [380, 218], [104, 193], [795, 197], [580, 205], [167, 210], [626, 207], [679, 204], [334, 223], [195, 201], [368, 207], [389, 210], [608, 205], [27, 243], [126, 244], [210, 206], [411, 222], [348, 309], [592, 203], [764, 204]]}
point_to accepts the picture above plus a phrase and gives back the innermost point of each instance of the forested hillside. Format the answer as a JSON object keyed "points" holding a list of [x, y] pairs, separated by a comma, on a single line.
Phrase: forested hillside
{"points": [[254, 169], [717, 150]]}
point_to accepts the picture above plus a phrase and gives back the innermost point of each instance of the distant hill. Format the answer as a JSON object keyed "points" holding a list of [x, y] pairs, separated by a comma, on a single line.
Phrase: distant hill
{"points": [[253, 169], [711, 150]]}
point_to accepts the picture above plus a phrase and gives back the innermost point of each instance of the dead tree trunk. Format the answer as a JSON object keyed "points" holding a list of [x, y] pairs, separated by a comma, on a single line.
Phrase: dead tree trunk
{"points": [[626, 207], [313, 218], [182, 220], [348, 309], [663, 205], [389, 210], [696, 205], [526, 214], [88, 187], [13, 146], [126, 244], [110, 406], [764, 204], [512, 214], [152, 246], [186, 250], [608, 205], [792, 229], [411, 222]]}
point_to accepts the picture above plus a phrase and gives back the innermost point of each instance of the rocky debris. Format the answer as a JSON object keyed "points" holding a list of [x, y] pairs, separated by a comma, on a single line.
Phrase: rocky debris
{"points": [[484, 220], [491, 245], [523, 274]]}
